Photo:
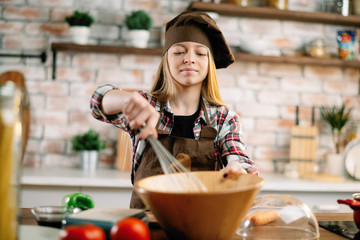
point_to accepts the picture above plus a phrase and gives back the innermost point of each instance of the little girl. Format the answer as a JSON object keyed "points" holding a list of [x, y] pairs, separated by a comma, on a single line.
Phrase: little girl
{"points": [[184, 108]]}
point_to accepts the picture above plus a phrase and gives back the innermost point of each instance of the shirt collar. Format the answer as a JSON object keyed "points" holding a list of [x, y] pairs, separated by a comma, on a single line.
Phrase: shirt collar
{"points": [[167, 109]]}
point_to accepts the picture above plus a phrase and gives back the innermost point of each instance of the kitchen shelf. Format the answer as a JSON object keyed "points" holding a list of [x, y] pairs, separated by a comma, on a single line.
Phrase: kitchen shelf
{"points": [[273, 13], [71, 47], [301, 60], [240, 56]]}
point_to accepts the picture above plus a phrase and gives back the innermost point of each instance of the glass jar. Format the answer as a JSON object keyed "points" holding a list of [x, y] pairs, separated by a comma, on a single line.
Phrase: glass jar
{"points": [[316, 48], [11, 152], [243, 3], [279, 4]]}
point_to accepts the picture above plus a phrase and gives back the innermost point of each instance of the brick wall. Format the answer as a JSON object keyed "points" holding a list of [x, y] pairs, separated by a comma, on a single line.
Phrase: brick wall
{"points": [[264, 94]]}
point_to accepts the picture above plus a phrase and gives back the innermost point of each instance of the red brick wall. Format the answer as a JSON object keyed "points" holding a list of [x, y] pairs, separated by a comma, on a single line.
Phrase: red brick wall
{"points": [[264, 94]]}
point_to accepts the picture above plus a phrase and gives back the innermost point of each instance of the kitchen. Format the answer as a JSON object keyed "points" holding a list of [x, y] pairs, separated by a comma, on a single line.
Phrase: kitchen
{"points": [[265, 94]]}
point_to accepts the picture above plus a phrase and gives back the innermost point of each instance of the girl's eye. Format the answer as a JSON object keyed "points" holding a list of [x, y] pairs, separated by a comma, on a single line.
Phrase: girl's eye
{"points": [[178, 53], [201, 54]]}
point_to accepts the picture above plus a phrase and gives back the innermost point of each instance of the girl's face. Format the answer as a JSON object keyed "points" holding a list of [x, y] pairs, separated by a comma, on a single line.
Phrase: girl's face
{"points": [[188, 63]]}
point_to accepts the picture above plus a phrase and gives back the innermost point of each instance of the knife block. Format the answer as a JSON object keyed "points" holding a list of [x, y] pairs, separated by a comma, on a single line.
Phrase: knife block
{"points": [[303, 145]]}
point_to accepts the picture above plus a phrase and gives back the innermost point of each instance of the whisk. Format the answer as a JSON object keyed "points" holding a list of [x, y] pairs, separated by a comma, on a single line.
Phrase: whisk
{"points": [[172, 167]]}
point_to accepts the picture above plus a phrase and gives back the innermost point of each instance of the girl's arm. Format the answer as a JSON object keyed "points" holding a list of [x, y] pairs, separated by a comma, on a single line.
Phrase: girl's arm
{"points": [[233, 148], [136, 108], [108, 101]]}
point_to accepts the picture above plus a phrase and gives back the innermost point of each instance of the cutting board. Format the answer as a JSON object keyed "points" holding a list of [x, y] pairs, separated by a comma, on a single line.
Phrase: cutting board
{"points": [[123, 151], [303, 145]]}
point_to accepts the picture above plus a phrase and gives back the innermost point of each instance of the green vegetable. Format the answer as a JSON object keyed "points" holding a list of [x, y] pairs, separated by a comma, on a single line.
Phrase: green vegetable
{"points": [[78, 200]]}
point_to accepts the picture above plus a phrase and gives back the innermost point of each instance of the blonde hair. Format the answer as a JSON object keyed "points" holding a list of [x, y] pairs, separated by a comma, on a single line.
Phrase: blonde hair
{"points": [[164, 86]]}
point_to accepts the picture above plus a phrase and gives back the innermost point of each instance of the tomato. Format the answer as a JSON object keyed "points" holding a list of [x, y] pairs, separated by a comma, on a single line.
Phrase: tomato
{"points": [[82, 232], [130, 229]]}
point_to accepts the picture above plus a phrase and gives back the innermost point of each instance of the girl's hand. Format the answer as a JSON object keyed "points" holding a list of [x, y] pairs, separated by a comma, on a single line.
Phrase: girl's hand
{"points": [[141, 114], [233, 170]]}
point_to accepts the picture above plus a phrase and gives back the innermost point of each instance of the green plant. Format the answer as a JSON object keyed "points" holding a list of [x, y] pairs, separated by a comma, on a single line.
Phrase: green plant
{"points": [[139, 20], [87, 141], [80, 18], [337, 117]]}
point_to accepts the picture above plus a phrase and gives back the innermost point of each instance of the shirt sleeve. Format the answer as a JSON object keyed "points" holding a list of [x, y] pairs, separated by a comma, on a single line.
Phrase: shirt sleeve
{"points": [[118, 119], [232, 145]]}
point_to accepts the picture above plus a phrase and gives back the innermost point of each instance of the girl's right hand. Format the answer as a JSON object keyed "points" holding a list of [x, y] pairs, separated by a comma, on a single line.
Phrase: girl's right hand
{"points": [[141, 114]]}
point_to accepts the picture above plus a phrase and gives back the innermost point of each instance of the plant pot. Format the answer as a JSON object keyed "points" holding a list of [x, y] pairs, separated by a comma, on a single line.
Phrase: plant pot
{"points": [[335, 164], [80, 34], [89, 160], [138, 38]]}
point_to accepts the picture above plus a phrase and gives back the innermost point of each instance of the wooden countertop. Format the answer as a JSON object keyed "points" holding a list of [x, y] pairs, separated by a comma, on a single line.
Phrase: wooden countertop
{"points": [[157, 233]]}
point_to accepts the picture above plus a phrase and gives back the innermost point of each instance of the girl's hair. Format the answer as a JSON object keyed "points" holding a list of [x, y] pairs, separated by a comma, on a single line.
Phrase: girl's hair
{"points": [[164, 86]]}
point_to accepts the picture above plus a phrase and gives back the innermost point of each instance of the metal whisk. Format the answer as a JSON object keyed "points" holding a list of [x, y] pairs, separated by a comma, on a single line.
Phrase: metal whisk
{"points": [[172, 167]]}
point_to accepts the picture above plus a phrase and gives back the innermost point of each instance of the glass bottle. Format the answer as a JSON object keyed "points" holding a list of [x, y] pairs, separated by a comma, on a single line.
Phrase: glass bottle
{"points": [[11, 154]]}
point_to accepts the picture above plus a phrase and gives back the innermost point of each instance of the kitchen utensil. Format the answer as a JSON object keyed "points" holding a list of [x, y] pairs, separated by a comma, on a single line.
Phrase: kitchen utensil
{"points": [[52, 216], [170, 166], [351, 158], [303, 146], [354, 205], [276, 216], [214, 214]]}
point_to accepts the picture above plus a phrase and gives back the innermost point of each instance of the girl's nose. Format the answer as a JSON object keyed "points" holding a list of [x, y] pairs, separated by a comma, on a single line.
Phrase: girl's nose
{"points": [[189, 58]]}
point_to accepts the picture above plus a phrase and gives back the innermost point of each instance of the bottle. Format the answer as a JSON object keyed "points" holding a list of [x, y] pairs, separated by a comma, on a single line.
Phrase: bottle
{"points": [[11, 152]]}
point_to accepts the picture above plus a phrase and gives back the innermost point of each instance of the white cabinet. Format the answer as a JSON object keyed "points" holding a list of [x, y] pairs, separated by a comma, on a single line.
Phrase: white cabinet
{"points": [[32, 195], [108, 187]]}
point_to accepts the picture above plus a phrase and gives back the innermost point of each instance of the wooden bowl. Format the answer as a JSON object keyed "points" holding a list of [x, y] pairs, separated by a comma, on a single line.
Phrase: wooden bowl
{"points": [[215, 214]]}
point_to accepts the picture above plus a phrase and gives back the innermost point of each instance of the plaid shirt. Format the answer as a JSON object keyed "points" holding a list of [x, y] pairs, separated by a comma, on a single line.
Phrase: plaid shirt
{"points": [[228, 142]]}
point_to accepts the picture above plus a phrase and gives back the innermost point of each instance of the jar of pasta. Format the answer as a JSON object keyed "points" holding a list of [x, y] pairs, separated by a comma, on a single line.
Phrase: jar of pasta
{"points": [[11, 152]]}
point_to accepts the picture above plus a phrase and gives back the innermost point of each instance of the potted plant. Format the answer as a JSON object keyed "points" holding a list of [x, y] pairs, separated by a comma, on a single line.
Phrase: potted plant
{"points": [[138, 24], [88, 144], [336, 117], [80, 22]]}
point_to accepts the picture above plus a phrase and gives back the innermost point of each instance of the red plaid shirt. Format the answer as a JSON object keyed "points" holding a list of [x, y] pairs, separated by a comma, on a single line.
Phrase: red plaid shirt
{"points": [[228, 144]]}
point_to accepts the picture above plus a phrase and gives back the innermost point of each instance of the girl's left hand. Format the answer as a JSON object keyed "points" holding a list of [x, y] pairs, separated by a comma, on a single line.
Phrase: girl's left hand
{"points": [[233, 169]]}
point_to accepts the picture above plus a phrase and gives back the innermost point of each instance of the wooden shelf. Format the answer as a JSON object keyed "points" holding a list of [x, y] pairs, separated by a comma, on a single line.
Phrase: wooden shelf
{"points": [[301, 60], [272, 13], [240, 56], [104, 49]]}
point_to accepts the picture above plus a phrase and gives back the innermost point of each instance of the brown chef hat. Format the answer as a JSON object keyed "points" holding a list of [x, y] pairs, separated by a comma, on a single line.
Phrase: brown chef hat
{"points": [[201, 28]]}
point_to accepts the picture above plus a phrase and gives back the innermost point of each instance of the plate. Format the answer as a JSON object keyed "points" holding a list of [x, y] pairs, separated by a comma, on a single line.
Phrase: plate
{"points": [[31, 232], [352, 158]]}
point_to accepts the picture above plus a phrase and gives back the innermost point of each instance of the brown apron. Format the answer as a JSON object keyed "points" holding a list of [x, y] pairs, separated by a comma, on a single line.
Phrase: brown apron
{"points": [[201, 152]]}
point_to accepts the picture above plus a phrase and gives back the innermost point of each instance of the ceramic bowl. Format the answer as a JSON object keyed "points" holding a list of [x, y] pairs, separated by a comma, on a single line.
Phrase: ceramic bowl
{"points": [[214, 214], [52, 216]]}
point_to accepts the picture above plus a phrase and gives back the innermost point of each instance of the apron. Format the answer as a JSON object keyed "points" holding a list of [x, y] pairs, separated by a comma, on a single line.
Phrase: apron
{"points": [[201, 152]]}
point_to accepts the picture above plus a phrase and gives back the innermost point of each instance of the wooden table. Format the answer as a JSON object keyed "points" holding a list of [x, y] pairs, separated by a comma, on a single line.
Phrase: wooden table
{"points": [[158, 234]]}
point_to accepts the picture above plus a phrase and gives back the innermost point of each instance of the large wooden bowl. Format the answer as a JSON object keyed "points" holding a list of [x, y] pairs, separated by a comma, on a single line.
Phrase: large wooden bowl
{"points": [[215, 214]]}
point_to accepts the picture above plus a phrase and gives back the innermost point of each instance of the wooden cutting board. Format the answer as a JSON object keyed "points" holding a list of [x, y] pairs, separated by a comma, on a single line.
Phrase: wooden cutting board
{"points": [[303, 145]]}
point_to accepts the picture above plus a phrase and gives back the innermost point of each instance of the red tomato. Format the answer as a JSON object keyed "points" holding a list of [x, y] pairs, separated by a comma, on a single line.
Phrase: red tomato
{"points": [[82, 232], [130, 229]]}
